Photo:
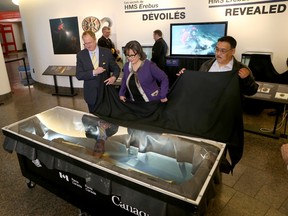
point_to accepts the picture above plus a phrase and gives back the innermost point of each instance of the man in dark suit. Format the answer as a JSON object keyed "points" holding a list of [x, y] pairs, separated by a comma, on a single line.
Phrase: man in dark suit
{"points": [[96, 67], [159, 50], [105, 41]]}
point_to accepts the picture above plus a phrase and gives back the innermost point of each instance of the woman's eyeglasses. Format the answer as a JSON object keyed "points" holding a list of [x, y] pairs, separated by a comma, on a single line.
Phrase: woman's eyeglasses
{"points": [[131, 56]]}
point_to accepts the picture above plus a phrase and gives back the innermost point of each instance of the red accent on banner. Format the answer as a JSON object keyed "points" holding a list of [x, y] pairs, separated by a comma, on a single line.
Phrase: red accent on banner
{"points": [[9, 15]]}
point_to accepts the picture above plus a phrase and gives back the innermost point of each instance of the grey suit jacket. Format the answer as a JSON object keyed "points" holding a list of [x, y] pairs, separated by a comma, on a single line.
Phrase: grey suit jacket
{"points": [[84, 71]]}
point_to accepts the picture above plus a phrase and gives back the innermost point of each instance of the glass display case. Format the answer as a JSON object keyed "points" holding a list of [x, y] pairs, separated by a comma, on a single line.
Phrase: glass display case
{"points": [[139, 171], [260, 63]]}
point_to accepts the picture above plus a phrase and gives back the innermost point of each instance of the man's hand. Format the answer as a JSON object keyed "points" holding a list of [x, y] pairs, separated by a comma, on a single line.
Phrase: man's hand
{"points": [[110, 80], [98, 70], [243, 73]]}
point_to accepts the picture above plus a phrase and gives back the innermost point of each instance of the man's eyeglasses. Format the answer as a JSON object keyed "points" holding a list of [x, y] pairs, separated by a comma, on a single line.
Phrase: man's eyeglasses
{"points": [[131, 56], [222, 51], [87, 44]]}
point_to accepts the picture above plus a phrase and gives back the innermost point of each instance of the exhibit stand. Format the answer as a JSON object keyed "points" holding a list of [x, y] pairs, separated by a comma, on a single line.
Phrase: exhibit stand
{"points": [[276, 94], [68, 71], [261, 65], [140, 173]]}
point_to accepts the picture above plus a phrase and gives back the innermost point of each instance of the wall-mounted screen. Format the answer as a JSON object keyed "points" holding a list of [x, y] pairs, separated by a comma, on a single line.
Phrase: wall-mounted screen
{"points": [[195, 39]]}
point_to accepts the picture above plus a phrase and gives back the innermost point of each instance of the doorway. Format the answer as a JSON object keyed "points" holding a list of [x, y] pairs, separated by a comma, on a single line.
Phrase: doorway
{"points": [[7, 39]]}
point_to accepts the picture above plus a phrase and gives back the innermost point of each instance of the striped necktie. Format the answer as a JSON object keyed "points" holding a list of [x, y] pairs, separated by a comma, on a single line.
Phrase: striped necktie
{"points": [[94, 60]]}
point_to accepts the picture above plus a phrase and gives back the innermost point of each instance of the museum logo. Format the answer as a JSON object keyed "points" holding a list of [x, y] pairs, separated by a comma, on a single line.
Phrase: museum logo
{"points": [[64, 176]]}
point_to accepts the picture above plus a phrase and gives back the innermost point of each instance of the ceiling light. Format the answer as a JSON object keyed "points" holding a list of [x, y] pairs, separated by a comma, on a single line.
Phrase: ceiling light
{"points": [[16, 2]]}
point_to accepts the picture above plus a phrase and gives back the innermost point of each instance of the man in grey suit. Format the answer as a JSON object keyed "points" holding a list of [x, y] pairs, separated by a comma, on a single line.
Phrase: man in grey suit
{"points": [[96, 66]]}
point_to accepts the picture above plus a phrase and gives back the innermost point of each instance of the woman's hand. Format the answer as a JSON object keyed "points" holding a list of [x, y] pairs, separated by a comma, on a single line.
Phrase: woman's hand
{"points": [[181, 72], [123, 98], [164, 100]]}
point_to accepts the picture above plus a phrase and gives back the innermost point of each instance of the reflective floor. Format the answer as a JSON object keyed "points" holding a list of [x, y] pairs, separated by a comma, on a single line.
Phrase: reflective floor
{"points": [[259, 185]]}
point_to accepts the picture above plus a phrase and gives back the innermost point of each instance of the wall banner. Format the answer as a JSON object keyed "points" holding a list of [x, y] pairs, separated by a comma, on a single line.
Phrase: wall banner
{"points": [[249, 7], [154, 11]]}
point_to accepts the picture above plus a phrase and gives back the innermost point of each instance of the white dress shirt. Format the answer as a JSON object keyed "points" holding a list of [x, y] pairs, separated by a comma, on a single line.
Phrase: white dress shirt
{"points": [[217, 68]]}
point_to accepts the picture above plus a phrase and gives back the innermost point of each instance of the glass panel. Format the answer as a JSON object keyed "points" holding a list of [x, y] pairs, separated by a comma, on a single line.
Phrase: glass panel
{"points": [[177, 164]]}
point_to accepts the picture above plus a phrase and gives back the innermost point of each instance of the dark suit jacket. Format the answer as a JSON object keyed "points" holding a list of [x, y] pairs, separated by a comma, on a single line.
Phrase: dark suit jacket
{"points": [[84, 71], [107, 43], [159, 52]]}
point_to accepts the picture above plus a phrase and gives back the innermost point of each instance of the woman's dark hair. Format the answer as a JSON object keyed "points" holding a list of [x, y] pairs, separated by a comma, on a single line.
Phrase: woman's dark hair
{"points": [[137, 49]]}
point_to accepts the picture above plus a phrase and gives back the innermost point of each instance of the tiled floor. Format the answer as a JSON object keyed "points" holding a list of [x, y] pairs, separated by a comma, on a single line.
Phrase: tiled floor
{"points": [[258, 187]]}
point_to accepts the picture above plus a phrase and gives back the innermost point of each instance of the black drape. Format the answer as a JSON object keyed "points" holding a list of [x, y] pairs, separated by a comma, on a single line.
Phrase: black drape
{"points": [[206, 105]]}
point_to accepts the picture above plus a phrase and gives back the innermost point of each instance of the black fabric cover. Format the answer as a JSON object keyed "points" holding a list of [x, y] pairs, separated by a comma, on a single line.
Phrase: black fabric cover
{"points": [[206, 105], [262, 68]]}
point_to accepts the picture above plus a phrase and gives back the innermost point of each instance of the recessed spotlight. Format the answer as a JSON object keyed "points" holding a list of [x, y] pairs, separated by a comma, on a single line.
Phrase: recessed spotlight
{"points": [[16, 2]]}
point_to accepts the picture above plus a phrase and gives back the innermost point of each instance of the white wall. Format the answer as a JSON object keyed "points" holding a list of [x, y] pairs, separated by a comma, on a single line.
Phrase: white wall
{"points": [[17, 35], [259, 32], [5, 85]]}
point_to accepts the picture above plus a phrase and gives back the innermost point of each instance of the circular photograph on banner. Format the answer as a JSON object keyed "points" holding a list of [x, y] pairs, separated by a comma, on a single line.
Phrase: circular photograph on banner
{"points": [[91, 23]]}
